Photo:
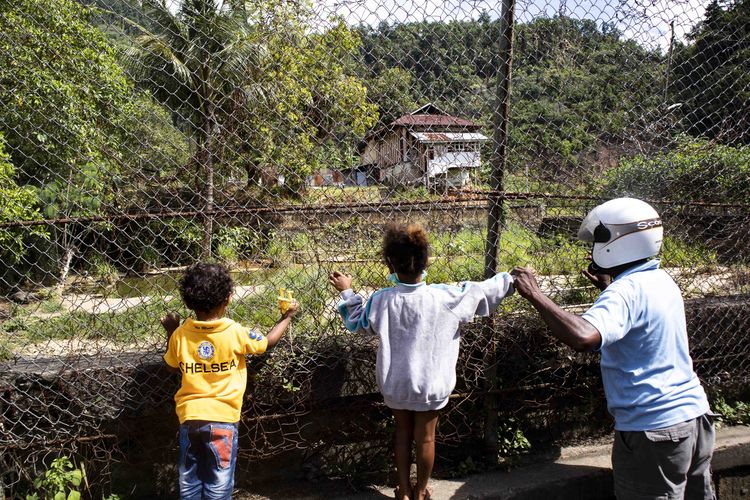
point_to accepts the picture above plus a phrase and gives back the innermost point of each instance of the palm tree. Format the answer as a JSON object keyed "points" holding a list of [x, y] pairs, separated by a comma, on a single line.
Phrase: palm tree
{"points": [[195, 61]]}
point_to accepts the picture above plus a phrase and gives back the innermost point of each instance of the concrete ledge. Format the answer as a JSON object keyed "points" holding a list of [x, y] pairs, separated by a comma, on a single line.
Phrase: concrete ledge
{"points": [[580, 473]]}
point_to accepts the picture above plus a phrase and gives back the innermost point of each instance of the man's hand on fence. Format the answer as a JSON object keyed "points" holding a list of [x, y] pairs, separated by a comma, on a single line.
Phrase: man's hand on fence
{"points": [[170, 322], [525, 282], [340, 281]]}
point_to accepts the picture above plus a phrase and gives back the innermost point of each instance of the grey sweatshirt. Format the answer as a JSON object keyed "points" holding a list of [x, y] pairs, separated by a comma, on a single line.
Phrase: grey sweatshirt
{"points": [[419, 338]]}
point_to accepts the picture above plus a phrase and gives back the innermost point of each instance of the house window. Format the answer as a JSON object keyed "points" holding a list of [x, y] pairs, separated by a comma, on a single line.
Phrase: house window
{"points": [[460, 146]]}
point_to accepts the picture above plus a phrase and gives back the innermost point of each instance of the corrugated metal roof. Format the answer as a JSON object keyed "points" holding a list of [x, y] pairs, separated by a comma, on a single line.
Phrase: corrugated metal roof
{"points": [[448, 137], [428, 116], [434, 121]]}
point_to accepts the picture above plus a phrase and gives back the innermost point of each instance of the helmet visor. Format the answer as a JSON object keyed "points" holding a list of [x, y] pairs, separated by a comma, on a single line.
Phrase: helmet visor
{"points": [[588, 227]]}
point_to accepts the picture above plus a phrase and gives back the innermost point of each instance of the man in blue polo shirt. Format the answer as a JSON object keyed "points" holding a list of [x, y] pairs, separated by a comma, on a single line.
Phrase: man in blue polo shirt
{"points": [[664, 435]]}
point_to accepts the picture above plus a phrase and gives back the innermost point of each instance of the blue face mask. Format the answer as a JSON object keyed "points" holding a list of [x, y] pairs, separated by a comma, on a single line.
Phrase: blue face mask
{"points": [[393, 277]]}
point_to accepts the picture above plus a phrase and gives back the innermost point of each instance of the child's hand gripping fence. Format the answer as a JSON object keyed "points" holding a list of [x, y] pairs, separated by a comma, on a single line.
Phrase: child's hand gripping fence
{"points": [[286, 297], [285, 300]]}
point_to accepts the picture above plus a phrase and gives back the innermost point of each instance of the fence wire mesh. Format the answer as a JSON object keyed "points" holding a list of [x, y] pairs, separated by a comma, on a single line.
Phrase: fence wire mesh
{"points": [[279, 138]]}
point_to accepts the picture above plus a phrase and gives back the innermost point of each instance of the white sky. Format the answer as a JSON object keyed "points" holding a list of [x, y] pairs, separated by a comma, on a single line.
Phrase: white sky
{"points": [[644, 20]]}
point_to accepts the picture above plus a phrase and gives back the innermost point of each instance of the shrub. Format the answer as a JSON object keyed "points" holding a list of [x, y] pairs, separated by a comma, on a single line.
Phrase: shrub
{"points": [[695, 170]]}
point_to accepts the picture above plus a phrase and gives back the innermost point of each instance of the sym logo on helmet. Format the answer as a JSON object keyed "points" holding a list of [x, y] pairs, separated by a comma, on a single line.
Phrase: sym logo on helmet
{"points": [[648, 224]]}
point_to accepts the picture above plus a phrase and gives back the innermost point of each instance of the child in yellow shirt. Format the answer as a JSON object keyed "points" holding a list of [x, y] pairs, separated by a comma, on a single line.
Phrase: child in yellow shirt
{"points": [[209, 350]]}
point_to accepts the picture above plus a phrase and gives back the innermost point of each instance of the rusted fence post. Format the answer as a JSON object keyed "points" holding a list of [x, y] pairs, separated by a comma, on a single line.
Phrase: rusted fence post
{"points": [[496, 216]]}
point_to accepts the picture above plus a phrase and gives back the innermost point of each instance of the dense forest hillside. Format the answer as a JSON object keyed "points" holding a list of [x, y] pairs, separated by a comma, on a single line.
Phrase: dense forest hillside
{"points": [[116, 106]]}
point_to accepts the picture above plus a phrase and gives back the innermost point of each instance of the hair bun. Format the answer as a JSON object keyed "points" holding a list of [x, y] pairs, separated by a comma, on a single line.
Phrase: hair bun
{"points": [[417, 235], [406, 248]]}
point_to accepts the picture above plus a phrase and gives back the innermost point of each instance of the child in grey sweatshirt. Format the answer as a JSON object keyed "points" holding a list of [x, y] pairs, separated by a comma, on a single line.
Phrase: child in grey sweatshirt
{"points": [[418, 328]]}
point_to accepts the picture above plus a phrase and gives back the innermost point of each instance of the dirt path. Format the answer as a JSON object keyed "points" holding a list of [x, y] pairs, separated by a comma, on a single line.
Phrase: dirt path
{"points": [[96, 304]]}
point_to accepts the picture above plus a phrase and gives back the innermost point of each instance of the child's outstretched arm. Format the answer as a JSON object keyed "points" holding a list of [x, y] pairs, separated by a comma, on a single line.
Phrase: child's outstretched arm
{"points": [[281, 327], [479, 298], [352, 307]]}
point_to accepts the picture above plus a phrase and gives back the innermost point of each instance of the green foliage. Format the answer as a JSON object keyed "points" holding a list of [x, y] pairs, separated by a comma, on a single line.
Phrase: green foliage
{"points": [[103, 270], [409, 193], [27, 328], [462, 242], [155, 156], [466, 467], [694, 170], [677, 252], [57, 115], [308, 108], [61, 481], [733, 413], [308, 284], [711, 77], [17, 203], [302, 106], [511, 439], [347, 194], [576, 86], [79, 136], [237, 242], [392, 92], [156, 244]]}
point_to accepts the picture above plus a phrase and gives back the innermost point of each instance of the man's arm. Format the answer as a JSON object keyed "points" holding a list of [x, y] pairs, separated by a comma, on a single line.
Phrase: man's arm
{"points": [[569, 328]]}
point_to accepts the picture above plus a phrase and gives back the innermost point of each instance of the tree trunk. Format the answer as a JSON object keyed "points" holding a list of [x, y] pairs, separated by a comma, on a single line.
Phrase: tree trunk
{"points": [[207, 126], [68, 254], [208, 216]]}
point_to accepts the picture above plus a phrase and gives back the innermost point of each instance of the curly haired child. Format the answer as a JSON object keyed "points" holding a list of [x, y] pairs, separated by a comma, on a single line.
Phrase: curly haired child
{"points": [[209, 351], [418, 328]]}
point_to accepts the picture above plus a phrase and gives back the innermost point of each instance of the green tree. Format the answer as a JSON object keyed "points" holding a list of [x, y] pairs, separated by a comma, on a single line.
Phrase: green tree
{"points": [[17, 204], [76, 129], [61, 87], [392, 91], [694, 170], [195, 61], [306, 98], [259, 90], [712, 75], [577, 87]]}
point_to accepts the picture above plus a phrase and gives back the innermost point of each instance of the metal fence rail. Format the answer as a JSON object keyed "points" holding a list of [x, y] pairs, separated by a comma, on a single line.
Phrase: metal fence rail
{"points": [[279, 138]]}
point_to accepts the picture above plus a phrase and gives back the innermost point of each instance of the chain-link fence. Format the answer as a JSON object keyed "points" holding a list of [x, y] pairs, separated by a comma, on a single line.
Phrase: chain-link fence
{"points": [[279, 138]]}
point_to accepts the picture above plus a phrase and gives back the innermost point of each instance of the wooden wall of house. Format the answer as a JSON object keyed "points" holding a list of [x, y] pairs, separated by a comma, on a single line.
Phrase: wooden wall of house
{"points": [[370, 154], [389, 152]]}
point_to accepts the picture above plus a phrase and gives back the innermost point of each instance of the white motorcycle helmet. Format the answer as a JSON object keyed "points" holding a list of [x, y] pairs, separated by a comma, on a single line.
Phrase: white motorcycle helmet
{"points": [[622, 230]]}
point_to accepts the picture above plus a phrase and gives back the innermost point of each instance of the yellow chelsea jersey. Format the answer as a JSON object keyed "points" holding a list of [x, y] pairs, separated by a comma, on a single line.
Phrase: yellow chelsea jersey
{"points": [[211, 357]]}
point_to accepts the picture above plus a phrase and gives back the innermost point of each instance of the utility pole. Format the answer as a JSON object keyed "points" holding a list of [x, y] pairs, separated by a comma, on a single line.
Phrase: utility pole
{"points": [[496, 216]]}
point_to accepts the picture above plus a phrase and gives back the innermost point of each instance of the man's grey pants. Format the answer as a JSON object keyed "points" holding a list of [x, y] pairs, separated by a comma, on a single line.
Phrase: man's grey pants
{"points": [[669, 463]]}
